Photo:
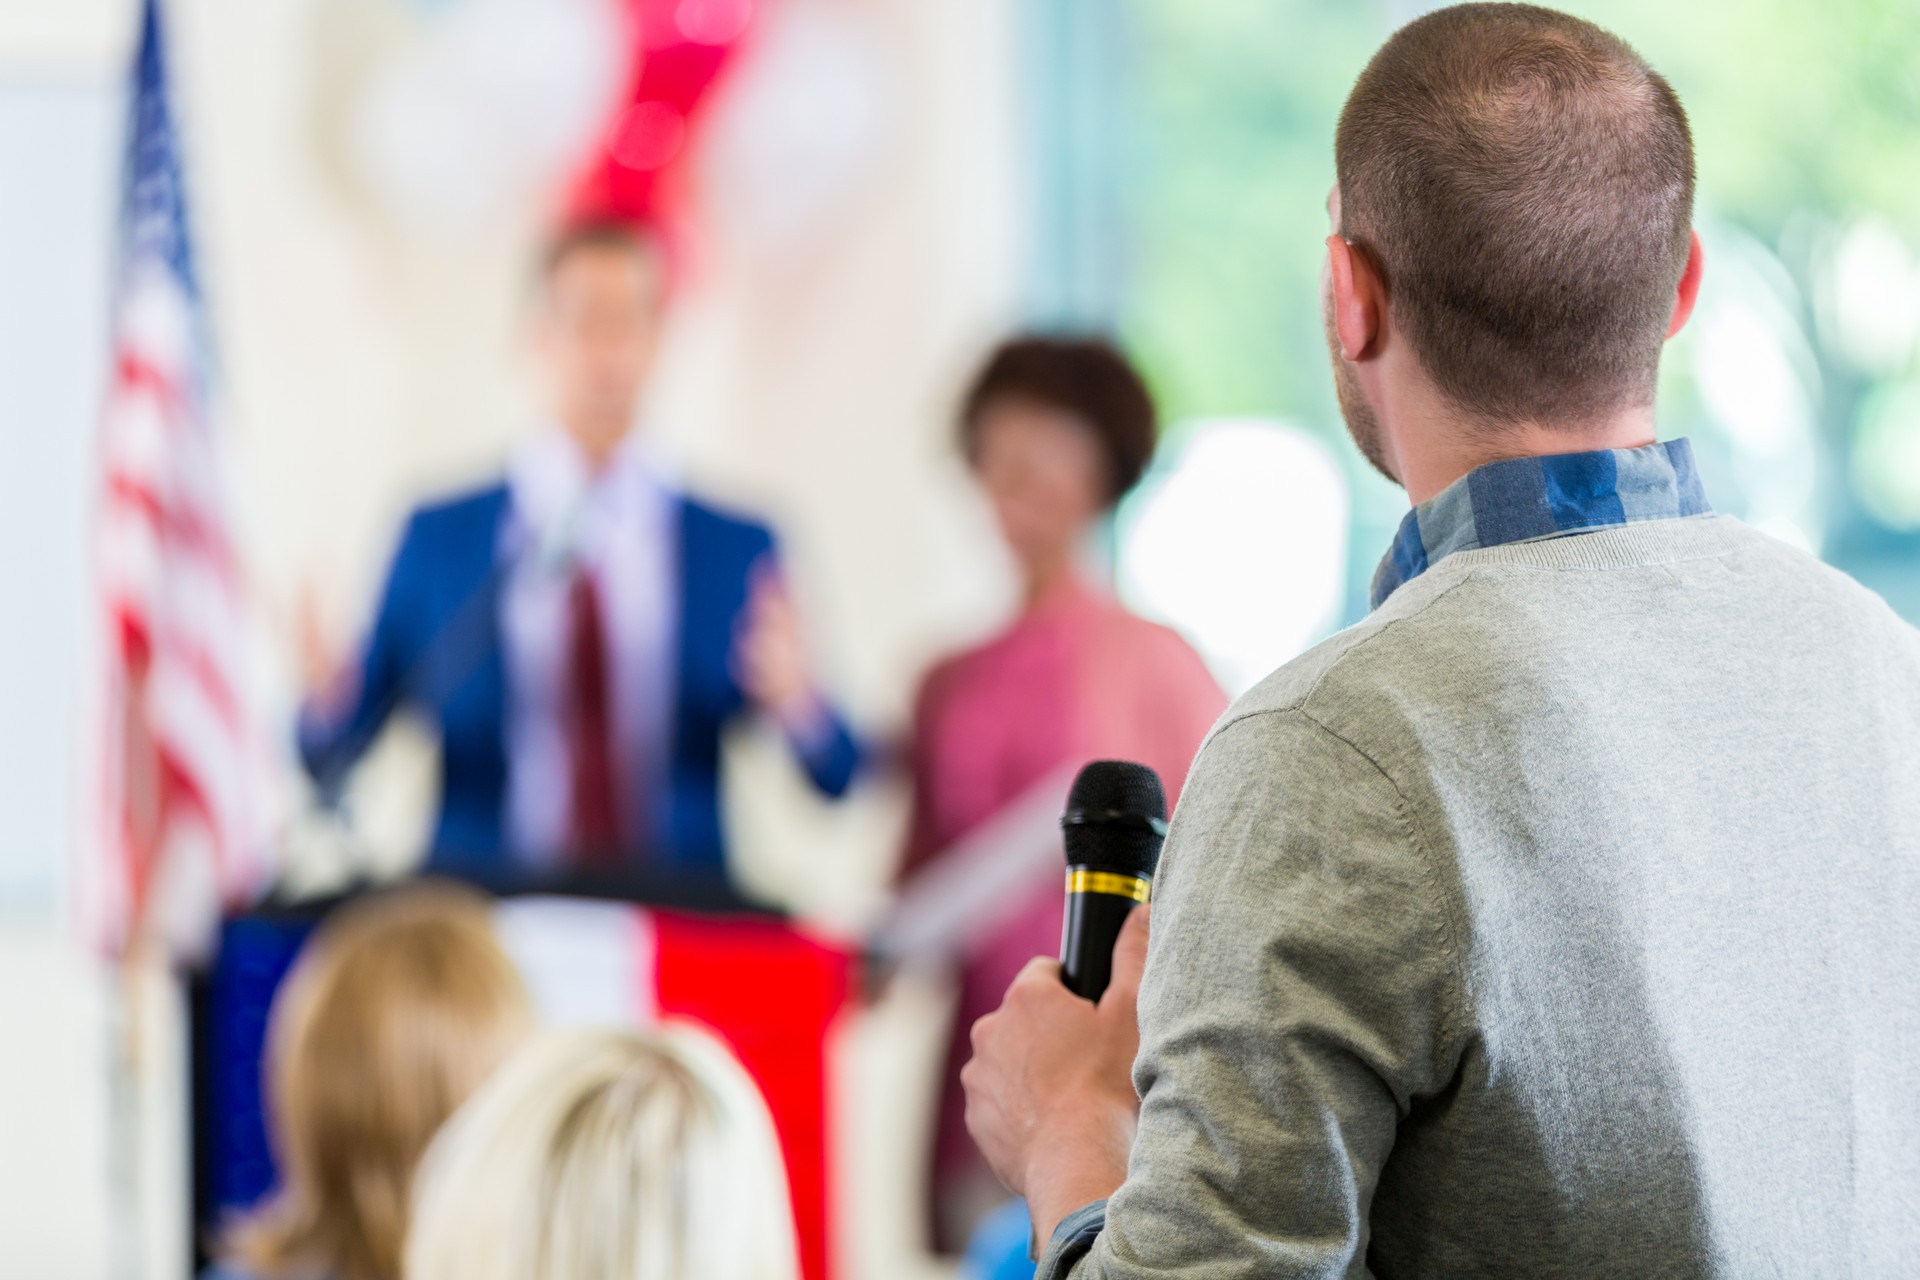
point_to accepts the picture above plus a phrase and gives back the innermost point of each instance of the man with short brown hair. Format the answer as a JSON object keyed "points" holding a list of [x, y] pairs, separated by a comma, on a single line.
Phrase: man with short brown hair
{"points": [[1529, 180], [1561, 919]]}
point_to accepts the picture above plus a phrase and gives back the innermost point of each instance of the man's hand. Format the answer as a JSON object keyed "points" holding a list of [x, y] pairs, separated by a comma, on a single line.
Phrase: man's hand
{"points": [[328, 680], [1050, 1096], [770, 657]]}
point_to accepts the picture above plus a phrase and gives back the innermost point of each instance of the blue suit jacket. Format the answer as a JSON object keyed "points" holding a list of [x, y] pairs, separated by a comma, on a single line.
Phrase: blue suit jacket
{"points": [[436, 647]]}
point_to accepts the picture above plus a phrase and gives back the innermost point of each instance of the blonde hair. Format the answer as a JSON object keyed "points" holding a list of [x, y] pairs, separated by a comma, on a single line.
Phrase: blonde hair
{"points": [[399, 1008], [607, 1155]]}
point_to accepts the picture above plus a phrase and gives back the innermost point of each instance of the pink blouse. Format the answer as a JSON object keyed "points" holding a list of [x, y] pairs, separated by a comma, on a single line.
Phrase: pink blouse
{"points": [[1075, 678]]}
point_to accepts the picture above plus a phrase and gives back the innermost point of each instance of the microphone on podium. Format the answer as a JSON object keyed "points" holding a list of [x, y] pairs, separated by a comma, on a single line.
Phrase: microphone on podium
{"points": [[1115, 822]]}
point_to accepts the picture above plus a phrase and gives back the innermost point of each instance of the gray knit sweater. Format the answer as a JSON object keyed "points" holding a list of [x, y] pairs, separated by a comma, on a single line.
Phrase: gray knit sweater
{"points": [[1561, 919]]}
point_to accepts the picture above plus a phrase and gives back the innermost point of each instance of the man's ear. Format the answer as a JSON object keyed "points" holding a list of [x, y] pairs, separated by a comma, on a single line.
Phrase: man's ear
{"points": [[1357, 299], [1688, 291]]}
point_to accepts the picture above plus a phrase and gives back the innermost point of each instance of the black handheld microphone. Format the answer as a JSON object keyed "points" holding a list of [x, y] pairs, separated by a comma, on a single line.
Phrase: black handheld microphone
{"points": [[1115, 821]]}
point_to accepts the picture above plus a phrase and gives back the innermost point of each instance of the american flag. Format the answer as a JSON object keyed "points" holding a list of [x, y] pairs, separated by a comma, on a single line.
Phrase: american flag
{"points": [[176, 755]]}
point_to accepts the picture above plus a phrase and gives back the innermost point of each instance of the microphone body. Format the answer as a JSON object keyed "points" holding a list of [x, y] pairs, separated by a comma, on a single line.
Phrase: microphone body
{"points": [[1115, 822], [1098, 903]]}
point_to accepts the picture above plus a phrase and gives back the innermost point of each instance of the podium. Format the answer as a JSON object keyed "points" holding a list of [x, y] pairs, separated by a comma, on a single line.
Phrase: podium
{"points": [[625, 951]]}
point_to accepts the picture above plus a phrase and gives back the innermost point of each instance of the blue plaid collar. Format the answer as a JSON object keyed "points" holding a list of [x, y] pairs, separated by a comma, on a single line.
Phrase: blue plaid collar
{"points": [[1523, 499]]}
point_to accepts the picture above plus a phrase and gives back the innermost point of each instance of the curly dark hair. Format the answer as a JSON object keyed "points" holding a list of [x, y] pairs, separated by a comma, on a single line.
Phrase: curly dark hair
{"points": [[1087, 377]]}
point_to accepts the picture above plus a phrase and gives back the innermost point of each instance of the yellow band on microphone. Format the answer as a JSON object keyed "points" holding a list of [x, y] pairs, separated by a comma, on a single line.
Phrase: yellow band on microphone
{"points": [[1081, 880]]}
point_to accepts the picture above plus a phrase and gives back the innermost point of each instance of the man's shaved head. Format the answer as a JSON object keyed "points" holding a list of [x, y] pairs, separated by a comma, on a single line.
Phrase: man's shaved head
{"points": [[1523, 182]]}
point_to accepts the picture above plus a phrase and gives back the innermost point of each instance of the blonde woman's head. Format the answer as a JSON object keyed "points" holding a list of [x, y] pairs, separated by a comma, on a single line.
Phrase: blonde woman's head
{"points": [[398, 1009], [607, 1155]]}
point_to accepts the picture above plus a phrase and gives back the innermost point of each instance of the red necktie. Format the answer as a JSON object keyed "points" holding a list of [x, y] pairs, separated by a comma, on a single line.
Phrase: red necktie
{"points": [[595, 837]]}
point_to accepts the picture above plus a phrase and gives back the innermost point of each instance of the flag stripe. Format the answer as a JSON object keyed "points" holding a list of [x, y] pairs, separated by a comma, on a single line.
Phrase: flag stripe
{"points": [[177, 756]]}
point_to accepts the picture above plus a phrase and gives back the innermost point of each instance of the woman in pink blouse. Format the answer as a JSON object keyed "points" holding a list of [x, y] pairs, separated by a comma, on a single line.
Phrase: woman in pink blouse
{"points": [[1056, 431]]}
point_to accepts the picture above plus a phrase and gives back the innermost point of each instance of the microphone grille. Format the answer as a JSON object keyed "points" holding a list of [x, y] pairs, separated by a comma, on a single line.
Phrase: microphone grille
{"points": [[1118, 786], [1116, 817]]}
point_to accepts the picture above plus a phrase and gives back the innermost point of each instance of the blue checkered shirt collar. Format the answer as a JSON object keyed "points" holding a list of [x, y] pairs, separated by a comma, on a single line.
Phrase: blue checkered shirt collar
{"points": [[1524, 499]]}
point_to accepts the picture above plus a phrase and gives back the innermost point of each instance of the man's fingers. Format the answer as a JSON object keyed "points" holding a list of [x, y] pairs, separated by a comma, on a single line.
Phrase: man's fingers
{"points": [[1129, 962], [981, 1029], [1037, 971], [768, 588], [1039, 978]]}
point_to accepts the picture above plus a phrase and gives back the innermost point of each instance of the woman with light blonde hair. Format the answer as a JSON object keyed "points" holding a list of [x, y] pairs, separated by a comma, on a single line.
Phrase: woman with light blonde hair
{"points": [[399, 1008], [607, 1155]]}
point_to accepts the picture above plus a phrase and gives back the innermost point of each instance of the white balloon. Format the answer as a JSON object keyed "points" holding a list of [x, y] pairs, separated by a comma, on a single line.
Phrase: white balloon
{"points": [[492, 104], [804, 120]]}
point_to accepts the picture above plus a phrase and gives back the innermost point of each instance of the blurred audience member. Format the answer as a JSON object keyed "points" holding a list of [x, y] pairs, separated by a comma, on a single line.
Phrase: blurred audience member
{"points": [[398, 1009], [581, 631], [1057, 431], [607, 1155]]}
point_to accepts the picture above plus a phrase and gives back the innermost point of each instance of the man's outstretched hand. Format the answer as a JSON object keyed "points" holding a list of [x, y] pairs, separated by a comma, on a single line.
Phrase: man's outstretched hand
{"points": [[1050, 1097], [770, 656]]}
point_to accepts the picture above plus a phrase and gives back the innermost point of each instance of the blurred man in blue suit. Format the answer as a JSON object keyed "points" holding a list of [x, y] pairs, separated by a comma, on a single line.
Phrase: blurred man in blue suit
{"points": [[581, 631]]}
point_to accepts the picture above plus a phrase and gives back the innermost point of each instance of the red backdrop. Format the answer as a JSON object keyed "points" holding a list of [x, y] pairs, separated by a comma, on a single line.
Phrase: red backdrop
{"points": [[773, 996]]}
